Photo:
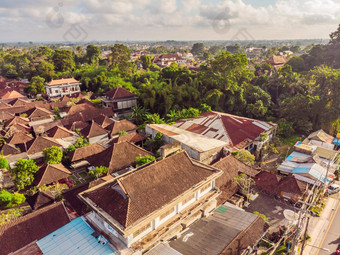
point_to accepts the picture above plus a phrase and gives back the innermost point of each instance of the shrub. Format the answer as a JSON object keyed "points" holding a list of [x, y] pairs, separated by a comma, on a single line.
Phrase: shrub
{"points": [[144, 160], [245, 156], [24, 172], [98, 171], [264, 217], [3, 163]]}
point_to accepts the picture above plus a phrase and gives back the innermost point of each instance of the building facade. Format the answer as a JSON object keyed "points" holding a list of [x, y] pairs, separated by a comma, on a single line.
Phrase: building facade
{"points": [[62, 87]]}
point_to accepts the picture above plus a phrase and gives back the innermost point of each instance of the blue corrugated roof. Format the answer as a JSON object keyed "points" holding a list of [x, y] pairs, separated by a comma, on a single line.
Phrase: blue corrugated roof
{"points": [[300, 170], [336, 141], [73, 238]]}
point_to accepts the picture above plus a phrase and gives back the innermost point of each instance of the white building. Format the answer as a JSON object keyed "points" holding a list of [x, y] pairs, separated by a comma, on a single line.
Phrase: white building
{"points": [[62, 87]]}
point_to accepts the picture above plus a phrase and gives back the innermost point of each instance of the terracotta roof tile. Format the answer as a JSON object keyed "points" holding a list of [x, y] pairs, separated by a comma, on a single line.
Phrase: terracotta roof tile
{"points": [[19, 137], [38, 144], [118, 93], [9, 149], [51, 173], [131, 137], [93, 130], [16, 119], [86, 151], [62, 81], [32, 227], [58, 132], [40, 199], [103, 120], [118, 157], [122, 125], [268, 182], [12, 94]]}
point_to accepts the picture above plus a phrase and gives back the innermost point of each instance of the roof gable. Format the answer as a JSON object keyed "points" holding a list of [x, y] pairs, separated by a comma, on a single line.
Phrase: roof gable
{"points": [[19, 137], [51, 173], [119, 93], [93, 130], [40, 143], [119, 126], [58, 132], [9, 149], [118, 157], [103, 120], [12, 94], [86, 151]]}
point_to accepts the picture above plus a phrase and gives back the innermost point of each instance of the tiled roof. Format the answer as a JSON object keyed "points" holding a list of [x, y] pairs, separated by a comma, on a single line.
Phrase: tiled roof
{"points": [[117, 157], [268, 182], [12, 94], [31, 227], [38, 144], [291, 185], [149, 188], [132, 137], [103, 120], [40, 199], [118, 93], [86, 151], [58, 132], [9, 149], [80, 108], [51, 173], [19, 137], [235, 130], [77, 125], [38, 112], [5, 115], [93, 130], [16, 119], [18, 102], [62, 81], [122, 125], [41, 128]]}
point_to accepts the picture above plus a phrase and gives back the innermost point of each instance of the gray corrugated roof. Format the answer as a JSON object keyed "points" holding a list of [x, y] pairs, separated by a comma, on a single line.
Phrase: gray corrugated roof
{"points": [[163, 249], [211, 235]]}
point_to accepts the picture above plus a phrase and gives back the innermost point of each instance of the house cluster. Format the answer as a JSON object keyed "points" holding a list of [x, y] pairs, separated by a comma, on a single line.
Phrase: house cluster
{"points": [[314, 160], [184, 202]]}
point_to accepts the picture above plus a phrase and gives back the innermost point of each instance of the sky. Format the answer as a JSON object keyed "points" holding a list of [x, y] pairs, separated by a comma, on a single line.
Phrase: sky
{"points": [[99, 20]]}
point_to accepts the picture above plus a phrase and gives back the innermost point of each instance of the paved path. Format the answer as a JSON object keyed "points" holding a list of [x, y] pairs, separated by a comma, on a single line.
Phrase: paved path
{"points": [[332, 237], [323, 229]]}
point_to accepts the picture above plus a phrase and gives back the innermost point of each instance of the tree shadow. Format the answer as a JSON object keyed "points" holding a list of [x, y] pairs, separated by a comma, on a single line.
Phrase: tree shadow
{"points": [[336, 241]]}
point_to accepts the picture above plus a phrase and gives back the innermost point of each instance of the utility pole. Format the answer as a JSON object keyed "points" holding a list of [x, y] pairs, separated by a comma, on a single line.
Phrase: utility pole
{"points": [[304, 237]]}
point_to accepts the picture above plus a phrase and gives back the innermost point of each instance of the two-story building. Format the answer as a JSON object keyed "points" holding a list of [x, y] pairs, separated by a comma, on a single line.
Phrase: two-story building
{"points": [[119, 99], [62, 87], [152, 203]]}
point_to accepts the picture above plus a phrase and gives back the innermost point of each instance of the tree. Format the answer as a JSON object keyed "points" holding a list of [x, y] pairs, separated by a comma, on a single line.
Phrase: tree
{"points": [[8, 199], [297, 63], [46, 70], [24, 172], [335, 37], [245, 156], [53, 155], [63, 60], [244, 182], [197, 48], [153, 144], [144, 160], [146, 61], [37, 86], [233, 48], [120, 58], [92, 55]]}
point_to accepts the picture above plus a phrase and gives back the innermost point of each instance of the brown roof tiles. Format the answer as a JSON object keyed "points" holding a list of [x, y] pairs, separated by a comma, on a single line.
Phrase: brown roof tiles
{"points": [[118, 93], [93, 130], [122, 125], [51, 173], [86, 151]]}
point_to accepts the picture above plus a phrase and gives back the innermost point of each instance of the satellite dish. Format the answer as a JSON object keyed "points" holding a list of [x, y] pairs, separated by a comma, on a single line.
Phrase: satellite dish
{"points": [[291, 216]]}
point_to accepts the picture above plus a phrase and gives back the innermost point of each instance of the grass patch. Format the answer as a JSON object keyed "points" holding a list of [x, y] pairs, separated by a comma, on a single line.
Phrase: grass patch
{"points": [[83, 174], [77, 183], [89, 179], [72, 177]]}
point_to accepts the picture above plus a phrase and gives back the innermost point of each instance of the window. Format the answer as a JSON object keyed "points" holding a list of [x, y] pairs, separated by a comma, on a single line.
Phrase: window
{"points": [[205, 187], [167, 213], [141, 230], [188, 199]]}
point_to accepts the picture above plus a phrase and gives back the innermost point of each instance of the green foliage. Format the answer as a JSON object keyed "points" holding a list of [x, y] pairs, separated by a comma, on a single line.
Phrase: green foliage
{"points": [[10, 215], [23, 115], [36, 86], [53, 155], [263, 137], [144, 160], [245, 156], [272, 148], [120, 133], [92, 55], [244, 182], [263, 216], [63, 60], [24, 172], [98, 171], [3, 162], [8, 199], [285, 129], [153, 144], [146, 61], [81, 142], [97, 101], [197, 49]]}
